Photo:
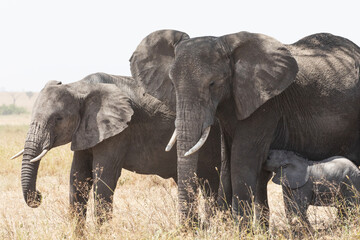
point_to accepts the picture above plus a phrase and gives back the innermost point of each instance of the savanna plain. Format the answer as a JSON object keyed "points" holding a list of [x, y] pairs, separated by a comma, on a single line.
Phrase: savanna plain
{"points": [[145, 207]]}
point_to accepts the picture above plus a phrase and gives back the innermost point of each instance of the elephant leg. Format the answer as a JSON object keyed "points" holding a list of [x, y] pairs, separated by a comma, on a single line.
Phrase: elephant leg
{"points": [[208, 180], [224, 199], [296, 204], [262, 211], [106, 172], [342, 212], [80, 184], [244, 174], [209, 192], [225, 192], [209, 184], [249, 150], [345, 202]]}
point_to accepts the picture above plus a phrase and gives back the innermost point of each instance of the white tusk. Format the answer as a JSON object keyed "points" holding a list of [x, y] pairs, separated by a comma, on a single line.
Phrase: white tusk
{"points": [[172, 141], [40, 156], [199, 144], [18, 154]]}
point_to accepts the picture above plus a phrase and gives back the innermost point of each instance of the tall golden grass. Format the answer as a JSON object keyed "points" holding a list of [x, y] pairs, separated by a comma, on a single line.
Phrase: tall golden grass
{"points": [[145, 207]]}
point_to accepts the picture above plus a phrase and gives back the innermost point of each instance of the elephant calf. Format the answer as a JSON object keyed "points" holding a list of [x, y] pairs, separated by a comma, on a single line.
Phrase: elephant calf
{"points": [[320, 183]]}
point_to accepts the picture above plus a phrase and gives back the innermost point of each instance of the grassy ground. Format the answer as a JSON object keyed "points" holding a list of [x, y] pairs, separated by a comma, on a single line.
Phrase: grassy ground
{"points": [[145, 207], [15, 120]]}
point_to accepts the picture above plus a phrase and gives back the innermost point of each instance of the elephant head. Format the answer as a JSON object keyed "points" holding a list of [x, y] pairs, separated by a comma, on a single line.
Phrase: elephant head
{"points": [[81, 113], [247, 68], [290, 169]]}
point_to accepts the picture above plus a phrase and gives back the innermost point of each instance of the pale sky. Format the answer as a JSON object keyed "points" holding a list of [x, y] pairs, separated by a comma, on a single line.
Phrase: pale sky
{"points": [[42, 40]]}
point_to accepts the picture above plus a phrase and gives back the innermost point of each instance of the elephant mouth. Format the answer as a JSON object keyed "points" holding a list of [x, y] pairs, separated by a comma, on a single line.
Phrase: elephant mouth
{"points": [[195, 148], [40, 156]]}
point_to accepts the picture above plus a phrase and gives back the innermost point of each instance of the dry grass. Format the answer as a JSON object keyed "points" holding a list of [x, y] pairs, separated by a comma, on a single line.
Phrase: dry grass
{"points": [[145, 207], [11, 120]]}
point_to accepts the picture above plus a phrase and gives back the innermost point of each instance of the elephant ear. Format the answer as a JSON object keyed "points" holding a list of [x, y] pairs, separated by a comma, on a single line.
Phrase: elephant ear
{"points": [[263, 68], [53, 82], [105, 113], [293, 175], [151, 62]]}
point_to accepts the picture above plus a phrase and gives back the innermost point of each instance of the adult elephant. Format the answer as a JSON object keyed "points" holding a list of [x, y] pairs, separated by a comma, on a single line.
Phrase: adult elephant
{"points": [[111, 124], [302, 97]]}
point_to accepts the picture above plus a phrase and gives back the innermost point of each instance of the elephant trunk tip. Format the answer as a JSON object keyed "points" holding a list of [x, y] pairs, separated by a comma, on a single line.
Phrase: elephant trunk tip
{"points": [[33, 199]]}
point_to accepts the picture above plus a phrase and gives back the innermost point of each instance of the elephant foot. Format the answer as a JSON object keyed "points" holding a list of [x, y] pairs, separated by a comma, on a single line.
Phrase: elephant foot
{"points": [[191, 222], [301, 228], [100, 220], [302, 233], [262, 217], [223, 204], [77, 212], [103, 212], [79, 229], [243, 214]]}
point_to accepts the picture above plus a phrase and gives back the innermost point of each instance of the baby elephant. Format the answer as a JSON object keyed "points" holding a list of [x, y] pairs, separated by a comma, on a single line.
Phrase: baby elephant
{"points": [[318, 183]]}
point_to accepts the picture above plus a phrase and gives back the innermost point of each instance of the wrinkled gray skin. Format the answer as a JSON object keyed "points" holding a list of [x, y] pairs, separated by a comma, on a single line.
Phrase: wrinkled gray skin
{"points": [[110, 126], [321, 183], [302, 97]]}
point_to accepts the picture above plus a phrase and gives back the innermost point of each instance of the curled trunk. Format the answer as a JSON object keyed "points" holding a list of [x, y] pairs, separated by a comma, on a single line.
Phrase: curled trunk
{"points": [[33, 146]]}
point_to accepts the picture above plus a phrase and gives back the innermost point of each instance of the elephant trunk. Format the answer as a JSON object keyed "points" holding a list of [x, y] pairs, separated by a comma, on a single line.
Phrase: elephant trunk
{"points": [[186, 169], [189, 128], [33, 147]]}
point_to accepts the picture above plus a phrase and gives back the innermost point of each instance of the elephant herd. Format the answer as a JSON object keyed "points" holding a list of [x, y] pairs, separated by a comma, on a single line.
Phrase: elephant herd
{"points": [[252, 91]]}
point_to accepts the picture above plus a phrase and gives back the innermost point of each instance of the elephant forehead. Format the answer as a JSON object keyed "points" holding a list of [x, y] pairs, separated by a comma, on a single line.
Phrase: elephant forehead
{"points": [[53, 91], [201, 60], [53, 97], [203, 49]]}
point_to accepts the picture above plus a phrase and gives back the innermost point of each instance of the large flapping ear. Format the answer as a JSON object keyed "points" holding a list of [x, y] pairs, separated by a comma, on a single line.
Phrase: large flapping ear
{"points": [[105, 112], [151, 62], [263, 68], [294, 174]]}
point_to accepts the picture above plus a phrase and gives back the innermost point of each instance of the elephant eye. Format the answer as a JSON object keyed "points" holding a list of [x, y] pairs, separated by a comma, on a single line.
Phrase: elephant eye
{"points": [[59, 118], [212, 84]]}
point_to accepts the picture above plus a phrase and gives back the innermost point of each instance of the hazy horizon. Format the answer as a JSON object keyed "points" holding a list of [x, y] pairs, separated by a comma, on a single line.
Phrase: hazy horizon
{"points": [[67, 40]]}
